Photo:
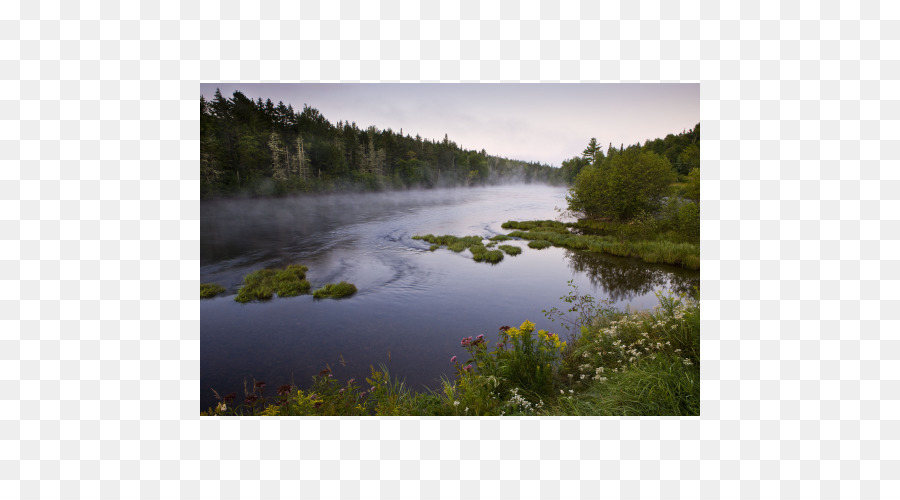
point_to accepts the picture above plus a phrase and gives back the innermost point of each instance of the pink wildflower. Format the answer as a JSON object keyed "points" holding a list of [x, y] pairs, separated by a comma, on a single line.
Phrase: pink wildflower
{"points": [[453, 359], [468, 367]]}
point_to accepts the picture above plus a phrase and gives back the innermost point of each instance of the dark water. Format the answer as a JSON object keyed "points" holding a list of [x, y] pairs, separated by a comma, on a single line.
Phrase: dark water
{"points": [[413, 306]]}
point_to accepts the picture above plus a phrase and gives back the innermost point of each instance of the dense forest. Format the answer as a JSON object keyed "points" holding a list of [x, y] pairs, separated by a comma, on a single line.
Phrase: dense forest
{"points": [[261, 148]]}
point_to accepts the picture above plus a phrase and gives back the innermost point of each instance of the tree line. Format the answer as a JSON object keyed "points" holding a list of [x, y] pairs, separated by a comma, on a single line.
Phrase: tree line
{"points": [[655, 186], [261, 148]]}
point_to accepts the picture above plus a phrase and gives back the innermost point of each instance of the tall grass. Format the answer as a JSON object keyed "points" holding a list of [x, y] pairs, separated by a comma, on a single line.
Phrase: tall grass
{"points": [[542, 235]]}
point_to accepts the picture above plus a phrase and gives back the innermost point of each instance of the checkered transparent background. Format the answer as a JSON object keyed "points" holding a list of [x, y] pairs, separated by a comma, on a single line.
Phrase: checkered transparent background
{"points": [[99, 249]]}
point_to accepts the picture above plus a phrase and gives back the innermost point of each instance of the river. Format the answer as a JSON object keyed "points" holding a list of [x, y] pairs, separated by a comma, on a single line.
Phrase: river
{"points": [[413, 305]]}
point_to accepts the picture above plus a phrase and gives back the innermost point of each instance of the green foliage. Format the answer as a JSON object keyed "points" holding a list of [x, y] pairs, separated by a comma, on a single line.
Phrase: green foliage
{"points": [[263, 283], [644, 239], [335, 290], [510, 250], [209, 290], [499, 237], [480, 253], [692, 189], [622, 186]]}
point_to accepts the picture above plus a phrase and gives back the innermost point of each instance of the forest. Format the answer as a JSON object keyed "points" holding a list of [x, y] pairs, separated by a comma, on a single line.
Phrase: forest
{"points": [[259, 148]]}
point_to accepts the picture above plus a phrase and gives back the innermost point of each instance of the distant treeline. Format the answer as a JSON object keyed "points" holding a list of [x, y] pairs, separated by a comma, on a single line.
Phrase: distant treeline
{"points": [[261, 148], [681, 150]]}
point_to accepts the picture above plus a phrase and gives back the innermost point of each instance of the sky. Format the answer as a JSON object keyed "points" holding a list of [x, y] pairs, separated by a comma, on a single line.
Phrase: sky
{"points": [[545, 122]]}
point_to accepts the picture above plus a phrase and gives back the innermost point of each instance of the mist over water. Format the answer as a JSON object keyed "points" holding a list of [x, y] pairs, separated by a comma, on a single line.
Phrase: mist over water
{"points": [[413, 305]]}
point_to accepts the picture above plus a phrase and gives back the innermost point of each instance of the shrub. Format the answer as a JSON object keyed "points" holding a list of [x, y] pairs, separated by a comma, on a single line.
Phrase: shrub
{"points": [[622, 186]]}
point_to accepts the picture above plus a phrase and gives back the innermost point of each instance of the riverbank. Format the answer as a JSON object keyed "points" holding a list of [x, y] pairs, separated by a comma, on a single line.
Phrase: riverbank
{"points": [[623, 240], [615, 362]]}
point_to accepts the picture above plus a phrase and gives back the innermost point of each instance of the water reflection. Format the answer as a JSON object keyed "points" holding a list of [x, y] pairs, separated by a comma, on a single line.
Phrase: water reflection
{"points": [[624, 278]]}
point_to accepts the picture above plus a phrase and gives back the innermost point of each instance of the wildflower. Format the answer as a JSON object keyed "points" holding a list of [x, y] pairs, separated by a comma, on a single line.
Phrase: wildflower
{"points": [[467, 367], [561, 391], [504, 328], [251, 399], [570, 375], [453, 359], [221, 407], [687, 361], [351, 381], [571, 391], [479, 337], [284, 390], [260, 385], [341, 391], [362, 394], [229, 397], [456, 403], [500, 345]]}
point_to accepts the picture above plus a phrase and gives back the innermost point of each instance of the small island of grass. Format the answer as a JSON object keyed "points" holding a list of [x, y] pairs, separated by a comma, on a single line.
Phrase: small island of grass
{"points": [[539, 244], [335, 290], [262, 284], [210, 290], [510, 250]]}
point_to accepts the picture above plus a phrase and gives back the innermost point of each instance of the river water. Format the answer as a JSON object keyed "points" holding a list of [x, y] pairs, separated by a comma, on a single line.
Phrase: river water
{"points": [[413, 305]]}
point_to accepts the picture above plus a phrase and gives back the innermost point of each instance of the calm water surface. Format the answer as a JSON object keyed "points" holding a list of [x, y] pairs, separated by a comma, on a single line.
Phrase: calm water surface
{"points": [[413, 306]]}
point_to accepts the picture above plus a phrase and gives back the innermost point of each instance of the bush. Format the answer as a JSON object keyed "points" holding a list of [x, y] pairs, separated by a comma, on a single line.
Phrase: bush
{"points": [[539, 244], [622, 186]]}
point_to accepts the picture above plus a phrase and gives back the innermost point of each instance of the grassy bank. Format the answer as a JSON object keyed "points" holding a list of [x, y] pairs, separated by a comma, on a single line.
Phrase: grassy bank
{"points": [[617, 363], [624, 240]]}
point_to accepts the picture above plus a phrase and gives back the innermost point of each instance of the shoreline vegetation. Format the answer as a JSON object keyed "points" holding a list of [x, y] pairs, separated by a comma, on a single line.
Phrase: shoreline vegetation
{"points": [[615, 362]]}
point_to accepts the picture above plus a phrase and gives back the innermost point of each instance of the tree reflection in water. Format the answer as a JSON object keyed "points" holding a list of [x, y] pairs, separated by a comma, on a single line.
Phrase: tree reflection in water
{"points": [[623, 278]]}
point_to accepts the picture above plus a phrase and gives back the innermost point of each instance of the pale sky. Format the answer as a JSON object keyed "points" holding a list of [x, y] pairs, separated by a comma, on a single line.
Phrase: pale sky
{"points": [[546, 122]]}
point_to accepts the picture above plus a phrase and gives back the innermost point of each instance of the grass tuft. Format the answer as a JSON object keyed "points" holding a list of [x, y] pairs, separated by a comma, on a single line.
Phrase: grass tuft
{"points": [[539, 244], [335, 290], [510, 250], [209, 290]]}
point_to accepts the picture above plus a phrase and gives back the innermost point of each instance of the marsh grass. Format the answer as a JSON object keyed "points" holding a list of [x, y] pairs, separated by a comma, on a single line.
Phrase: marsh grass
{"points": [[660, 250], [335, 291], [264, 283], [539, 244], [475, 244], [499, 237], [209, 290], [510, 250]]}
